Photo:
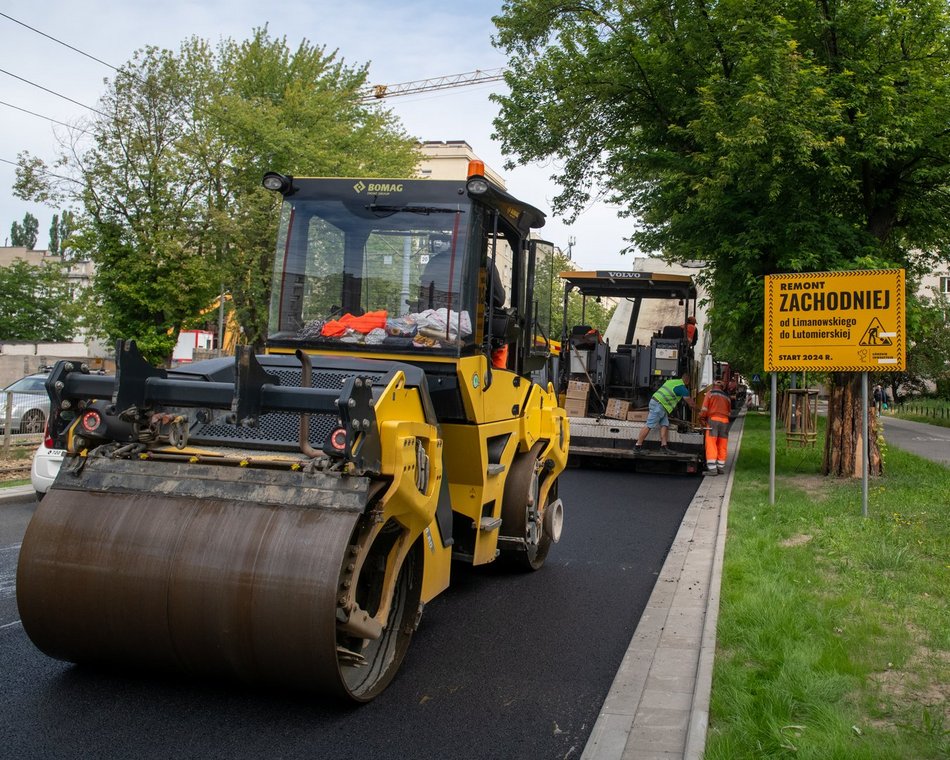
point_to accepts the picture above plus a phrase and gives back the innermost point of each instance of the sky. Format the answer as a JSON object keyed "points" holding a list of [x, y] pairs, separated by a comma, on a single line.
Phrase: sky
{"points": [[401, 42]]}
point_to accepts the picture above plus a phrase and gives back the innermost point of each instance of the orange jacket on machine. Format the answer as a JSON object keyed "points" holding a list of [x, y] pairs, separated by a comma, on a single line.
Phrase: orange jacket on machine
{"points": [[715, 412], [689, 330], [499, 358], [362, 324]]}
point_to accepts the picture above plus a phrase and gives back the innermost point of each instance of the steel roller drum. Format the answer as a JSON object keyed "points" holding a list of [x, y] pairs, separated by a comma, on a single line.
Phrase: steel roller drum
{"points": [[205, 586]]}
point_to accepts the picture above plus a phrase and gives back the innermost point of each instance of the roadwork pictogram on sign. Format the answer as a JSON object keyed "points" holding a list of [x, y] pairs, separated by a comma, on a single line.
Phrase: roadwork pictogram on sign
{"points": [[875, 335]]}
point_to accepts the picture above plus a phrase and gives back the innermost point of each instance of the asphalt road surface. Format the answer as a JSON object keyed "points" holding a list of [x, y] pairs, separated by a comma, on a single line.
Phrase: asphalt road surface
{"points": [[927, 441], [504, 665]]}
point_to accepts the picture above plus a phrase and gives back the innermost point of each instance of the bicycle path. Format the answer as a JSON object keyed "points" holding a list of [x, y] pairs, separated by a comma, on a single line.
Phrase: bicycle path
{"points": [[928, 441]]}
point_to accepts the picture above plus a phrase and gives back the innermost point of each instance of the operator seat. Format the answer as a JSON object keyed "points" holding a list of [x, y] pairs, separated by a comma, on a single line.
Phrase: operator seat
{"points": [[584, 337]]}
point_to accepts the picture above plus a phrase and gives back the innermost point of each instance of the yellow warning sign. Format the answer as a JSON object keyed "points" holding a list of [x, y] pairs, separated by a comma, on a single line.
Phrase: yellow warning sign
{"points": [[835, 321]]}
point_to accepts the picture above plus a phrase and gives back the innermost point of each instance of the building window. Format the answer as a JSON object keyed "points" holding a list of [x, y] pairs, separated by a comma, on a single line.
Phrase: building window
{"points": [[945, 284]]}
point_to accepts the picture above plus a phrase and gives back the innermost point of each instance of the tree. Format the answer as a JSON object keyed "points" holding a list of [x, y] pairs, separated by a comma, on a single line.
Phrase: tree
{"points": [[142, 219], [59, 231], [549, 295], [24, 235], [36, 303], [53, 246], [928, 354], [297, 112], [762, 137], [549, 290], [170, 184]]}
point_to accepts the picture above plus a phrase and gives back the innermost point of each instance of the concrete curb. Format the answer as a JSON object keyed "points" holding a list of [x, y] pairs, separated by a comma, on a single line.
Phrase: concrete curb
{"points": [[699, 714], [658, 704], [15, 492]]}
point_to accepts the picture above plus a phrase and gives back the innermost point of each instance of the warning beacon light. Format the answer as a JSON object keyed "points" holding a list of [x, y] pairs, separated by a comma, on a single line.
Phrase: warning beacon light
{"points": [[477, 184]]}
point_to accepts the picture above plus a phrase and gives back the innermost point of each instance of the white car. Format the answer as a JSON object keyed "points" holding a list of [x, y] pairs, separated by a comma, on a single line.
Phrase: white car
{"points": [[46, 464]]}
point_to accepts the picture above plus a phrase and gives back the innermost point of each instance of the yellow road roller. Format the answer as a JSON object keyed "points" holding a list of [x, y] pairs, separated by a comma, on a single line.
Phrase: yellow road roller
{"points": [[284, 517]]}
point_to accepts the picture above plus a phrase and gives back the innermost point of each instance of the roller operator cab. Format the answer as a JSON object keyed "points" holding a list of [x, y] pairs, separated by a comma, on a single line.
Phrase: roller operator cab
{"points": [[285, 517], [607, 380]]}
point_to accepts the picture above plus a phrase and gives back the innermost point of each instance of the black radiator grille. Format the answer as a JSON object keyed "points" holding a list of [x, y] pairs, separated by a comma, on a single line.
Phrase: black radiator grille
{"points": [[280, 430]]}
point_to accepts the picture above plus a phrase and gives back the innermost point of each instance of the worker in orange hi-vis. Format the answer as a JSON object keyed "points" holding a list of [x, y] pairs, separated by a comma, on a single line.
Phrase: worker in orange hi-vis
{"points": [[715, 414], [691, 331]]}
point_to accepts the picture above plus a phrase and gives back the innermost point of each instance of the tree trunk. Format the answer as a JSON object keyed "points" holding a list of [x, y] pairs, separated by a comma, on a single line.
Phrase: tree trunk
{"points": [[843, 441]]}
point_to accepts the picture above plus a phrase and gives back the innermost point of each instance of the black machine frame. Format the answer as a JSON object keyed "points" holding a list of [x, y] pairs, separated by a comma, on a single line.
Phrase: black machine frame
{"points": [[643, 366]]}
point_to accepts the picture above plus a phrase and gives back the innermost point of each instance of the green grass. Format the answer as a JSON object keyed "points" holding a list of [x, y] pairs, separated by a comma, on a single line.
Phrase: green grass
{"points": [[18, 451], [18, 454], [834, 630], [930, 410]]}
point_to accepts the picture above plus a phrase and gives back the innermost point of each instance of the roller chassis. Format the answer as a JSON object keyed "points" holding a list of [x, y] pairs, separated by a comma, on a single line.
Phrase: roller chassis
{"points": [[381, 489]]}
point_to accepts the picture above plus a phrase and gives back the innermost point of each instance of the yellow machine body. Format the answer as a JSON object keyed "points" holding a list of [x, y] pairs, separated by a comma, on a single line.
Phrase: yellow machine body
{"points": [[285, 517]]}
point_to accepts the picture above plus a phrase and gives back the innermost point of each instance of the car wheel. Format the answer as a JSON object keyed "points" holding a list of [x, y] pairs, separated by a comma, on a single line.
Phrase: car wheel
{"points": [[33, 421]]}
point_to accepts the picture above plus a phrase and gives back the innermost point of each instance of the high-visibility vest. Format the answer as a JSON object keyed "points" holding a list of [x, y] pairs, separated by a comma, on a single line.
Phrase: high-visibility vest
{"points": [[717, 405], [666, 394]]}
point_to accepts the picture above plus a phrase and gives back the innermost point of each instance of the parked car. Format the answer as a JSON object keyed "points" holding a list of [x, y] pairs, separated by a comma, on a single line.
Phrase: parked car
{"points": [[46, 464], [30, 405]]}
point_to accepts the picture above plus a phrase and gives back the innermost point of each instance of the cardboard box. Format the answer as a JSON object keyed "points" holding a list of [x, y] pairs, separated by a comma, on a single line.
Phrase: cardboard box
{"points": [[637, 415], [578, 389], [576, 407], [617, 409]]}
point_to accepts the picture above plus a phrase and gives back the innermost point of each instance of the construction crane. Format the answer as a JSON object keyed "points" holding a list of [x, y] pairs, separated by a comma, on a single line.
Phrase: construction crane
{"points": [[479, 76]]}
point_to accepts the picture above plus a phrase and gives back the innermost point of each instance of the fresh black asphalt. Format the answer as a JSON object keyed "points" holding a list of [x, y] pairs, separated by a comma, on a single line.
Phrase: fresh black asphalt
{"points": [[504, 665]]}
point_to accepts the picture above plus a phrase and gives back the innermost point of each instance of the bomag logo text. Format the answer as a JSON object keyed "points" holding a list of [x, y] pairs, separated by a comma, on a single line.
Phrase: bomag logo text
{"points": [[376, 188]]}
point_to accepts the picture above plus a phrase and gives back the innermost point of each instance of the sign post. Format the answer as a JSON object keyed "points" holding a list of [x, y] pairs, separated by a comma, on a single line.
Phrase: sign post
{"points": [[865, 464], [772, 406], [852, 321]]}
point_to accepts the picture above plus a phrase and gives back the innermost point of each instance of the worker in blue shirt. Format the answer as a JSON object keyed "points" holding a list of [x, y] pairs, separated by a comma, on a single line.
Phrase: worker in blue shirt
{"points": [[662, 404]]}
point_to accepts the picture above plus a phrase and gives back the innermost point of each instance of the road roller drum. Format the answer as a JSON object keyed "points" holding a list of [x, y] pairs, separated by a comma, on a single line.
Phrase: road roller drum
{"points": [[204, 586]]}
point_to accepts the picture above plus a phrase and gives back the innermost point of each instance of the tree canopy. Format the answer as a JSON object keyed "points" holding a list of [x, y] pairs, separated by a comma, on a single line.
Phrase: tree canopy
{"points": [[60, 228], [169, 182], [549, 296], [24, 235], [928, 357], [761, 136], [36, 303]]}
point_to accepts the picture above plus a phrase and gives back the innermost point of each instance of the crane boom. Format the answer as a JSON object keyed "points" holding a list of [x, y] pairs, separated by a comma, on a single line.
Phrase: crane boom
{"points": [[479, 76]]}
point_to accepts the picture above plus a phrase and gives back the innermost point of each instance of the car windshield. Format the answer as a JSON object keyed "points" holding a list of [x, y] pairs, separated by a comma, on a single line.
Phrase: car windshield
{"points": [[356, 272], [28, 385]]}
